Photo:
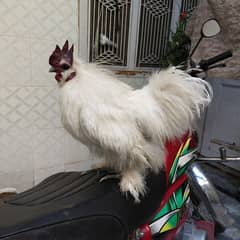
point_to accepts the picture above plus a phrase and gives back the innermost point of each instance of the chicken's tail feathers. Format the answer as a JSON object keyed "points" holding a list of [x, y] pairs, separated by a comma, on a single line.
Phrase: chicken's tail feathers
{"points": [[174, 80], [180, 97]]}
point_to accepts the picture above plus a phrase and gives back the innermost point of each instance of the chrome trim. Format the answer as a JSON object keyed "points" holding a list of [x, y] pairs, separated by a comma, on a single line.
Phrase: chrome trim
{"points": [[206, 193]]}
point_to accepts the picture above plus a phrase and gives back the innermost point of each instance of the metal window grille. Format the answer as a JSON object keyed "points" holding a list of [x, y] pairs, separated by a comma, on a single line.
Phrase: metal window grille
{"points": [[136, 32], [109, 31], [154, 31]]}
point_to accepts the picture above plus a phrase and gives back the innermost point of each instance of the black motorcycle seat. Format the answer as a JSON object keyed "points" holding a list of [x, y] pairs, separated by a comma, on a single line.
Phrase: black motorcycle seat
{"points": [[78, 205]]}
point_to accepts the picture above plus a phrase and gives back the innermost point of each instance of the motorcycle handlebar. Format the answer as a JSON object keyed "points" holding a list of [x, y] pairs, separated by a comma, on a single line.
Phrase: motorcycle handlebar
{"points": [[204, 64]]}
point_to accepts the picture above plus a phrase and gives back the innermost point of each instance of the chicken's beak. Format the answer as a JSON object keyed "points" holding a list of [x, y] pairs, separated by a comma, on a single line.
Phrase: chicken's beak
{"points": [[52, 69]]}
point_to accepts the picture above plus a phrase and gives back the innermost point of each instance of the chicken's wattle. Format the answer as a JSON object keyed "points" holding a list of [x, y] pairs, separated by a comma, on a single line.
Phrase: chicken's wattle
{"points": [[58, 77]]}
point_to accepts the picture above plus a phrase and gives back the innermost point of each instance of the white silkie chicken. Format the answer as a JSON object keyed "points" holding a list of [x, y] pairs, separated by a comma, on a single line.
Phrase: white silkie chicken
{"points": [[127, 128]]}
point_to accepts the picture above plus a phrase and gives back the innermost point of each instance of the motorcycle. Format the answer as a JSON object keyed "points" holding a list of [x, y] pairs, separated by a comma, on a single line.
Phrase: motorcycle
{"points": [[88, 205]]}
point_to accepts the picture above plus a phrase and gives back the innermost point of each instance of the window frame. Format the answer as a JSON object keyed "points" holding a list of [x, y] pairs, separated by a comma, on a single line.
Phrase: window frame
{"points": [[135, 10]]}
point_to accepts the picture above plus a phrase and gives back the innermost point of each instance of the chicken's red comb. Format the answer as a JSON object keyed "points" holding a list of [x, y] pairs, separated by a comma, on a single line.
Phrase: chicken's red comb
{"points": [[61, 55]]}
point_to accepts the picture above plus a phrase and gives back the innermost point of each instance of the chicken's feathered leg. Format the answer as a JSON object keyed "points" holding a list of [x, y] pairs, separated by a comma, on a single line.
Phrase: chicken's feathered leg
{"points": [[122, 149]]}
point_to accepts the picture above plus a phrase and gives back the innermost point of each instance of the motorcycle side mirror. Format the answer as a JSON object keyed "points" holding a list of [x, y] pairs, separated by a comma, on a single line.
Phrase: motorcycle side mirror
{"points": [[210, 28]]}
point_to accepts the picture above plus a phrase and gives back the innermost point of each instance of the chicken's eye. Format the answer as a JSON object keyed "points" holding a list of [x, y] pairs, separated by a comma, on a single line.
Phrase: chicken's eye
{"points": [[65, 66]]}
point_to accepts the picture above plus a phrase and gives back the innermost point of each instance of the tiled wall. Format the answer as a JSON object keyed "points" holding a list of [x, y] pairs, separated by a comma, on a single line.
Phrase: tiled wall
{"points": [[33, 143]]}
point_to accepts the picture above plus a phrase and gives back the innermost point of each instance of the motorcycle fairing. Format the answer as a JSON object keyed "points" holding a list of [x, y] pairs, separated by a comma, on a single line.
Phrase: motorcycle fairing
{"points": [[180, 153]]}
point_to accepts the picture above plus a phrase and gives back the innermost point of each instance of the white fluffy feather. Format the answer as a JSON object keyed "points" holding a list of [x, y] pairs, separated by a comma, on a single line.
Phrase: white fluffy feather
{"points": [[126, 127]]}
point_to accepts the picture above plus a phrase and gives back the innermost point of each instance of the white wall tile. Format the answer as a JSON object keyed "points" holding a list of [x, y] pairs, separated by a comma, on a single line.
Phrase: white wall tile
{"points": [[75, 151], [55, 19], [16, 150], [48, 148], [15, 107], [15, 17], [27, 107], [45, 112], [15, 62], [21, 180]]}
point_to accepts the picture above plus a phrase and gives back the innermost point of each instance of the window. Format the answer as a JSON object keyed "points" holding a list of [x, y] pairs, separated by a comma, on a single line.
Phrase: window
{"points": [[128, 34]]}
